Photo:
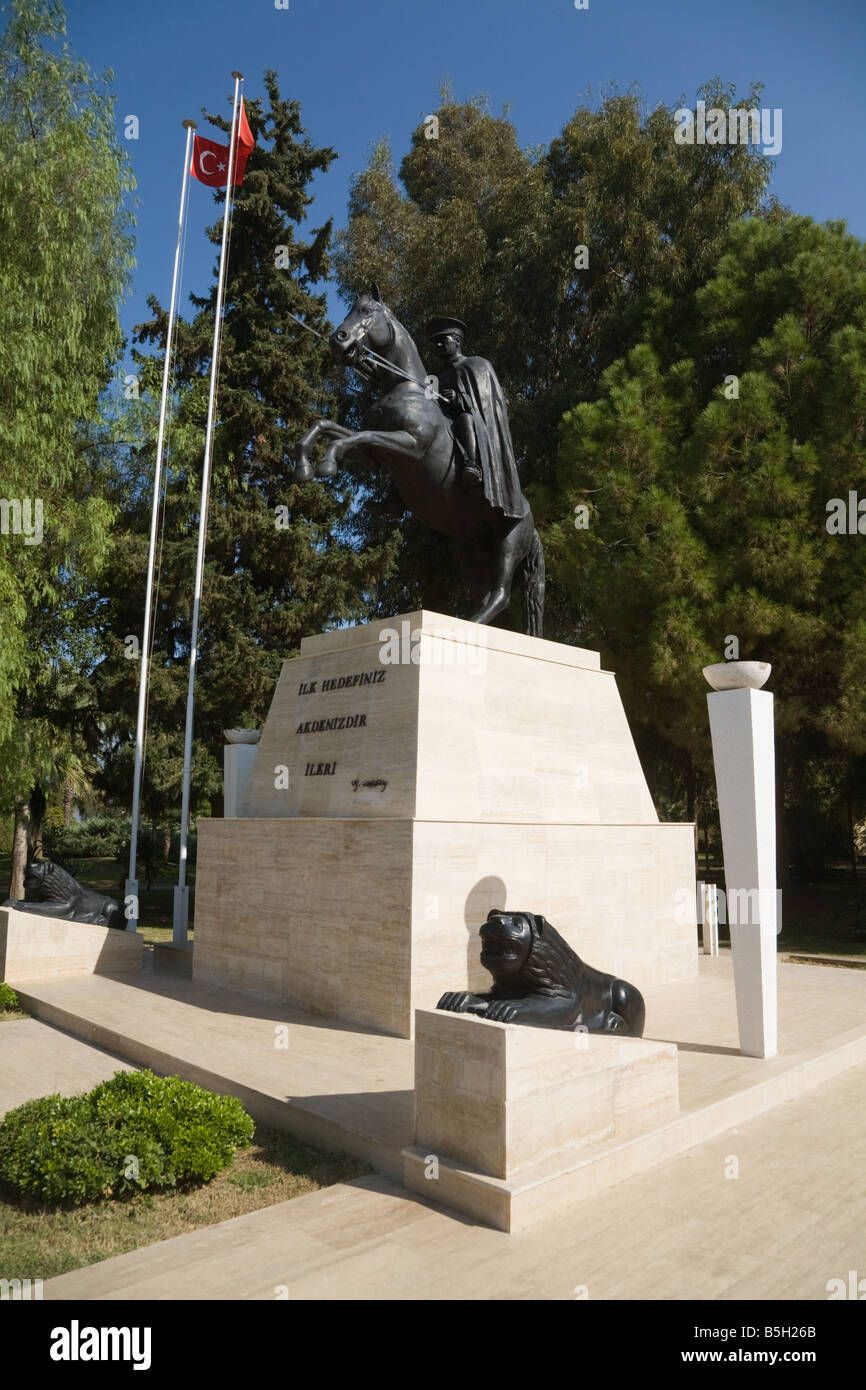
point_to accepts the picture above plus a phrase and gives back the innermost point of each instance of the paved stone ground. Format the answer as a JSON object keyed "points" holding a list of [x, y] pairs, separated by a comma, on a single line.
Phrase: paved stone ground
{"points": [[38, 1060], [793, 1218]]}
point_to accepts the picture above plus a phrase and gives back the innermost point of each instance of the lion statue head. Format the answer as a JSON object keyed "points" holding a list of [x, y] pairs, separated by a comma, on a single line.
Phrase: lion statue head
{"points": [[525, 954], [53, 884]]}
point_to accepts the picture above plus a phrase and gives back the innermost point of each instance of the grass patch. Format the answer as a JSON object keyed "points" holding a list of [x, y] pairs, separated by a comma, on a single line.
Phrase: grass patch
{"points": [[10, 1005], [156, 936], [40, 1243]]}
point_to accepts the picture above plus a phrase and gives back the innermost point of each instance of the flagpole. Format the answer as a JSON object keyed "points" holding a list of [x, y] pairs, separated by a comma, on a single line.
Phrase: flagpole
{"points": [[181, 892], [131, 895]]}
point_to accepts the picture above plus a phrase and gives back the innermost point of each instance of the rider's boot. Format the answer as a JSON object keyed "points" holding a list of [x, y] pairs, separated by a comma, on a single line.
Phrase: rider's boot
{"points": [[470, 472]]}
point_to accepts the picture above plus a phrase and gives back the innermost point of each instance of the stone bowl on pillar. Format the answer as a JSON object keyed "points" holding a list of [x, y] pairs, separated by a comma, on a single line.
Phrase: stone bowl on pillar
{"points": [[738, 675], [239, 756]]}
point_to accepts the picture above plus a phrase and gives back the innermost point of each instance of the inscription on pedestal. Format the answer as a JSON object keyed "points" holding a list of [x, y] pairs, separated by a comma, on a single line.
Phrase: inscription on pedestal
{"points": [[341, 733], [337, 723], [418, 718]]}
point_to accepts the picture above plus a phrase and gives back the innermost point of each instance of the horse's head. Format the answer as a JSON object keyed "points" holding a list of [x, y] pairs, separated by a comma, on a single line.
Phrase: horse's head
{"points": [[368, 324]]}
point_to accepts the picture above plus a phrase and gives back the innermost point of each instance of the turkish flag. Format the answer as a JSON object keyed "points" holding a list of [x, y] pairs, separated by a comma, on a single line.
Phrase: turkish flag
{"points": [[210, 160]]}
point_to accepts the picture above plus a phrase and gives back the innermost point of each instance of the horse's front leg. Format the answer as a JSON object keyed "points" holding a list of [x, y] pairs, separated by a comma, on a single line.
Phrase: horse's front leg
{"points": [[304, 469], [394, 441]]}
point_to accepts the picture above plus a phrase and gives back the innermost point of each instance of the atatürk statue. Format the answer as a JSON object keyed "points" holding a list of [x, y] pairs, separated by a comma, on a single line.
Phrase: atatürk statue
{"points": [[539, 979], [477, 407], [453, 467]]}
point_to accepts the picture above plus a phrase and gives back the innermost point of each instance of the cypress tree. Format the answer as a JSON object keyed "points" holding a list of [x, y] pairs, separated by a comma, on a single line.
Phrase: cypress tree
{"points": [[282, 561]]}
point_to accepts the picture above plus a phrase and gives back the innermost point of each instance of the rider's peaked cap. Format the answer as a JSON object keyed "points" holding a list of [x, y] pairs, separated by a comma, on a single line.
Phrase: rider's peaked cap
{"points": [[438, 328]]}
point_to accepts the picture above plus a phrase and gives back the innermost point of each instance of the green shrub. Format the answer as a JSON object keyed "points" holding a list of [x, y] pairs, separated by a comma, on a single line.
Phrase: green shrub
{"points": [[8, 999], [98, 837], [133, 1132]]}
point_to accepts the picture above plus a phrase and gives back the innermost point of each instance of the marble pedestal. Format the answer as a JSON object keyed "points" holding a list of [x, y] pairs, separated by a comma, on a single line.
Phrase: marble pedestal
{"points": [[33, 947], [505, 1115], [411, 775]]}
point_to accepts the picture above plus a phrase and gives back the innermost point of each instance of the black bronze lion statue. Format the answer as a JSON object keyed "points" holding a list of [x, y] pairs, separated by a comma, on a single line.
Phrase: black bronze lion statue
{"points": [[60, 896], [538, 979]]}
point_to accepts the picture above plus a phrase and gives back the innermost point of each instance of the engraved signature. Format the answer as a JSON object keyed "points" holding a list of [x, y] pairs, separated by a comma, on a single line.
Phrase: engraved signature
{"points": [[371, 782]]}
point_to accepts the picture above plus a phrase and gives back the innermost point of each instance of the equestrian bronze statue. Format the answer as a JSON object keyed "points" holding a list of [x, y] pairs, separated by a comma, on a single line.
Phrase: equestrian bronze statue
{"points": [[447, 445]]}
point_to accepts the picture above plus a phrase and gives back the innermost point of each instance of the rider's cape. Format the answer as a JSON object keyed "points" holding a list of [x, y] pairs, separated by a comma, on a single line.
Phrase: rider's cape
{"points": [[479, 393]]}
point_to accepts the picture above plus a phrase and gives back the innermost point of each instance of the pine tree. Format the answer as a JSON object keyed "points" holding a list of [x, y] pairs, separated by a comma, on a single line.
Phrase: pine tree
{"points": [[282, 561], [708, 467]]}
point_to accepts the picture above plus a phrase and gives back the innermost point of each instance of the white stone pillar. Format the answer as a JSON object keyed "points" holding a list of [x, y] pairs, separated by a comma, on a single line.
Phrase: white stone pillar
{"points": [[709, 903], [239, 756], [741, 724]]}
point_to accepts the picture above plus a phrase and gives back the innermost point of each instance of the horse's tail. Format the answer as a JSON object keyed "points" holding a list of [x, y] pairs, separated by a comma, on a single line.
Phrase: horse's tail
{"points": [[533, 588]]}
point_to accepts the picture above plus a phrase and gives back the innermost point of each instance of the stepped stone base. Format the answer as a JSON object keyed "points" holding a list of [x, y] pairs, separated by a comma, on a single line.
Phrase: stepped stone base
{"points": [[412, 774], [174, 955], [367, 920], [35, 948], [511, 1112]]}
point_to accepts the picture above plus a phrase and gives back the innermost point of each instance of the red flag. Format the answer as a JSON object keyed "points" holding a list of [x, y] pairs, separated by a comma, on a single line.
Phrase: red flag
{"points": [[245, 135], [210, 160]]}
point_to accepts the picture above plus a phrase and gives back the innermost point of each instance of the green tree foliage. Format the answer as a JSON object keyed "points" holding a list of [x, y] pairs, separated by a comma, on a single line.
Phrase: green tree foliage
{"points": [[708, 464], [477, 226], [282, 561], [65, 259]]}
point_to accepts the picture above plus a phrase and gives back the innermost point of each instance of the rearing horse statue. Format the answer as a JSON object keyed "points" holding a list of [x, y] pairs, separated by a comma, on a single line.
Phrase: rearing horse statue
{"points": [[407, 432]]}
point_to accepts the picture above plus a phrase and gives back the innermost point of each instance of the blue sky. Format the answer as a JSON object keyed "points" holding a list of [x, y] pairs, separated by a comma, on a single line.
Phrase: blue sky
{"points": [[363, 69]]}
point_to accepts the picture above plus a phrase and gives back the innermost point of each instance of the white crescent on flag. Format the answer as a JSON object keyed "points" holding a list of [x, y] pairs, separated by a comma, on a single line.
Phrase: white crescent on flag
{"points": [[210, 160]]}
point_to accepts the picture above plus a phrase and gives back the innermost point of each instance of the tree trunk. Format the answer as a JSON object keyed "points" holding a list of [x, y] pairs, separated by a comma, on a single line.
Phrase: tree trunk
{"points": [[783, 836], [68, 801], [38, 806], [852, 840], [166, 843], [691, 803], [19, 848], [706, 845]]}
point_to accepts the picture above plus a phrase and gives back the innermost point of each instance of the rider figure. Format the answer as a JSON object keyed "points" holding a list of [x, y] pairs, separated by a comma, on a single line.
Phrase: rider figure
{"points": [[480, 418]]}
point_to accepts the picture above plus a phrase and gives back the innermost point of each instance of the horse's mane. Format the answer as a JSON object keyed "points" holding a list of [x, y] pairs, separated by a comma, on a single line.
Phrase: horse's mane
{"points": [[56, 885]]}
